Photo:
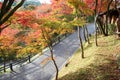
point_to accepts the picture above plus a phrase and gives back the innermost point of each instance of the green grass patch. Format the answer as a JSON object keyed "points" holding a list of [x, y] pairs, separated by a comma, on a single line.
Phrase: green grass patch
{"points": [[99, 62]]}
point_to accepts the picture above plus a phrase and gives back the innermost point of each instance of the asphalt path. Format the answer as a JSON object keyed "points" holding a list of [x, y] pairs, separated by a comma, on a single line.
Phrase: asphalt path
{"points": [[43, 68]]}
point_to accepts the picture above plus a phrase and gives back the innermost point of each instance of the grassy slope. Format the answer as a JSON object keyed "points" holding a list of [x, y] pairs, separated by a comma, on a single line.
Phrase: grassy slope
{"points": [[99, 64]]}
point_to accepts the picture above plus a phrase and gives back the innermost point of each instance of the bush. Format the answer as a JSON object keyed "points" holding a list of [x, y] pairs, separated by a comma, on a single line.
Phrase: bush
{"points": [[111, 28]]}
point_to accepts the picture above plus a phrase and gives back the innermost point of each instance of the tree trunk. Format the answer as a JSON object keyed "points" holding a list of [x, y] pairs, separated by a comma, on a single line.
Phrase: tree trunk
{"points": [[118, 27], [57, 70], [107, 16], [101, 25], [81, 43], [118, 22], [95, 18], [87, 33], [106, 27], [51, 50], [96, 31], [84, 33]]}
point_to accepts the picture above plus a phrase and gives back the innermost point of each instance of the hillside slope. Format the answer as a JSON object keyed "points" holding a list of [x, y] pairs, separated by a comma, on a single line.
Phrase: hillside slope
{"points": [[100, 62]]}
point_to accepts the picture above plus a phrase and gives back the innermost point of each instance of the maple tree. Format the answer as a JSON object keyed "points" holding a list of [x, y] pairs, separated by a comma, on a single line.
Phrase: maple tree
{"points": [[49, 25], [48, 28], [79, 20]]}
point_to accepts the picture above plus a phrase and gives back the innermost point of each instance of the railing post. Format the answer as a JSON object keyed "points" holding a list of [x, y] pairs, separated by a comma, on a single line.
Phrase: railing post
{"points": [[11, 66], [58, 39], [4, 62], [29, 56]]}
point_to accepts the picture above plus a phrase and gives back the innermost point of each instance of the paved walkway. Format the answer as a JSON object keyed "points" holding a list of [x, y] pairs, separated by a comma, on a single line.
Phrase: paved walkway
{"points": [[42, 68]]}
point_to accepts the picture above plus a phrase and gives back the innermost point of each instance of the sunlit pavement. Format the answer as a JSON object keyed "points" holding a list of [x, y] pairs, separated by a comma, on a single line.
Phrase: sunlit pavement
{"points": [[40, 69]]}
